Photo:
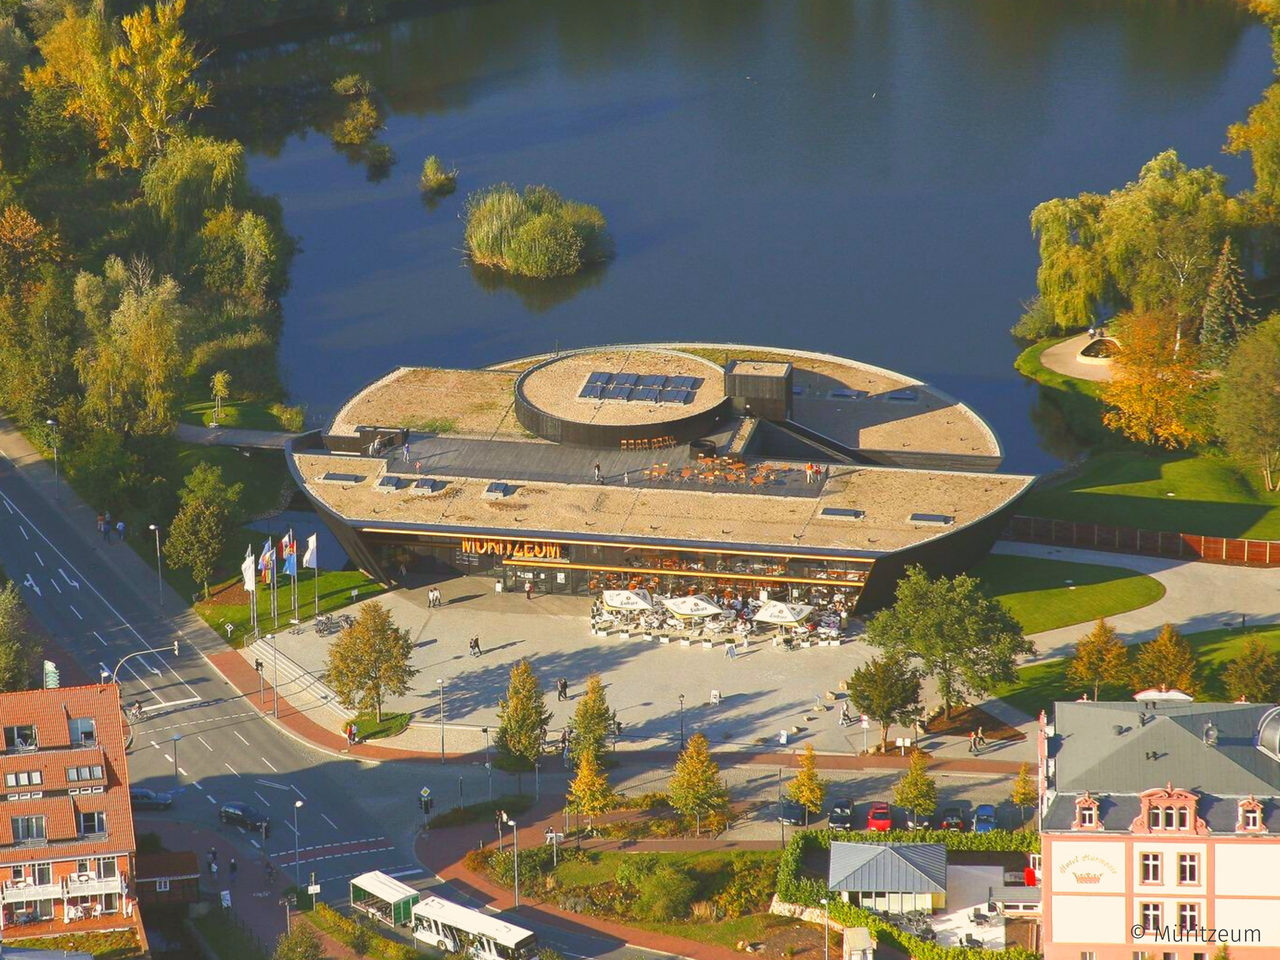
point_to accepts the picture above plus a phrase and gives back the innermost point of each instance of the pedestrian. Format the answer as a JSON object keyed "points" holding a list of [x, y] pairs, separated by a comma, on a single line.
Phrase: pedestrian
{"points": [[479, 652], [982, 741], [845, 719], [406, 452], [106, 526], [120, 530], [626, 478], [973, 742], [231, 868], [562, 689], [417, 466], [564, 739], [566, 756], [213, 855], [596, 470], [101, 523], [730, 649], [213, 870], [528, 590], [439, 598]]}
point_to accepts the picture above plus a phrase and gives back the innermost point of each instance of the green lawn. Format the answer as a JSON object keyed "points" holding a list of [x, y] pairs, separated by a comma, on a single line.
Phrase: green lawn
{"points": [[335, 592], [1041, 684], [1037, 592], [245, 414], [113, 945], [368, 727]]}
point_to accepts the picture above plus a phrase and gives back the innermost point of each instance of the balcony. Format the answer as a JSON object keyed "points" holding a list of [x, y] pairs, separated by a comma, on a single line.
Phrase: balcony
{"points": [[21, 891], [87, 885]]}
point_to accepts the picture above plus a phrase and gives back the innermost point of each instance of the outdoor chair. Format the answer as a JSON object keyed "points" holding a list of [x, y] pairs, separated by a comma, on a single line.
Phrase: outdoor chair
{"points": [[973, 942], [980, 918]]}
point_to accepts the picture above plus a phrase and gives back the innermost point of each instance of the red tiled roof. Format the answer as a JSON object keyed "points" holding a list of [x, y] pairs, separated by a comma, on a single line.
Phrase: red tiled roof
{"points": [[179, 865], [50, 712]]}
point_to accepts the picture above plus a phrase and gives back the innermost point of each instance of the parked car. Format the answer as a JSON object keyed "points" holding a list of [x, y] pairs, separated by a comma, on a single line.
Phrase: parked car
{"points": [[919, 821], [140, 798], [880, 817], [793, 813], [984, 818], [841, 816], [952, 819], [242, 815]]}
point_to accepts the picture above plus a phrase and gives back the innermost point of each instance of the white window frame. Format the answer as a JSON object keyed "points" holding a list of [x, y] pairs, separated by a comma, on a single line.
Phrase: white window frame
{"points": [[1151, 868], [1189, 863], [1150, 916]]}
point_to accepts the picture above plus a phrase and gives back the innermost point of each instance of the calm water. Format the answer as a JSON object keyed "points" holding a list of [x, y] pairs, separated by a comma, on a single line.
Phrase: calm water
{"points": [[846, 175]]}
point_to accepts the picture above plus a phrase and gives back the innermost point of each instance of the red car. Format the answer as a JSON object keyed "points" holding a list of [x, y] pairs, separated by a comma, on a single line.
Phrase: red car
{"points": [[880, 817]]}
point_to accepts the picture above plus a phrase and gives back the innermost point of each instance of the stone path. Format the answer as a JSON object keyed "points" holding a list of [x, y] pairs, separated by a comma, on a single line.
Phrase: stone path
{"points": [[231, 437], [1063, 358]]}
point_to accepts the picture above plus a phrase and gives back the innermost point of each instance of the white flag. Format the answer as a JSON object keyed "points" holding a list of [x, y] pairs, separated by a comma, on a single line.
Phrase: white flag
{"points": [[247, 569], [309, 558]]}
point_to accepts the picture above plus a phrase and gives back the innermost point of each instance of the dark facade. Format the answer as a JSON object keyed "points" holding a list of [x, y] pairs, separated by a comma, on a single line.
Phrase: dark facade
{"points": [[763, 395]]}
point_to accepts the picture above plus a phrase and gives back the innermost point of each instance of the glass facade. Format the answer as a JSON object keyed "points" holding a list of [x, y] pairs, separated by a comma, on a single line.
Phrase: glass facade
{"points": [[575, 568]]}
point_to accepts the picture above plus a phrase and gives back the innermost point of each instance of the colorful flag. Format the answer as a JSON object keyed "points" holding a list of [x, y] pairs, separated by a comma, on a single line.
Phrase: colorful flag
{"points": [[266, 562], [309, 558], [246, 570], [289, 551]]}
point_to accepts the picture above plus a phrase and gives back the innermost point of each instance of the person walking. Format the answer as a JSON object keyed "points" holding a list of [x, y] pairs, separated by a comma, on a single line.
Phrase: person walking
{"points": [[231, 869], [596, 471], [101, 523], [120, 530], [406, 452], [626, 478], [106, 526], [528, 590], [973, 742], [562, 689], [476, 641], [845, 718], [982, 741], [213, 870]]}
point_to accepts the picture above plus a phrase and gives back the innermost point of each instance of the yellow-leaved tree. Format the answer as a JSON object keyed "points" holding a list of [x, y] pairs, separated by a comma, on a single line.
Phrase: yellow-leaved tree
{"points": [[1158, 395]]}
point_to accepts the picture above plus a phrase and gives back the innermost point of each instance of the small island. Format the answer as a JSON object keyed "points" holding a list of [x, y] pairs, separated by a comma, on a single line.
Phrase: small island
{"points": [[534, 233]]}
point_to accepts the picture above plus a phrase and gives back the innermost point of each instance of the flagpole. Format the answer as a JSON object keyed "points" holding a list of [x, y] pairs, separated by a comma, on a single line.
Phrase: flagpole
{"points": [[275, 584], [316, 558], [293, 548]]}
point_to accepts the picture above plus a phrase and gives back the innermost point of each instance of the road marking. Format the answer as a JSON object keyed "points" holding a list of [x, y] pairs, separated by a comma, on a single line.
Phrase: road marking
{"points": [[206, 746], [210, 799], [206, 721], [299, 793], [269, 764], [242, 739], [181, 771], [100, 640], [55, 585], [29, 582], [169, 758], [38, 557], [262, 798], [406, 873], [273, 785], [329, 822], [70, 582], [255, 843], [74, 610], [198, 787], [9, 508], [24, 532], [230, 767], [156, 745], [290, 826], [339, 843]]}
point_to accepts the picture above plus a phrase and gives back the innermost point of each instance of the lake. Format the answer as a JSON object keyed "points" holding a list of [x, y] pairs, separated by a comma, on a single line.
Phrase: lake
{"points": [[844, 175]]}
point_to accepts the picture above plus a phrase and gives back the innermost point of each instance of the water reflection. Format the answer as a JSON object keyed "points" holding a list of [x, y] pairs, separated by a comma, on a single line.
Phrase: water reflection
{"points": [[538, 295]]}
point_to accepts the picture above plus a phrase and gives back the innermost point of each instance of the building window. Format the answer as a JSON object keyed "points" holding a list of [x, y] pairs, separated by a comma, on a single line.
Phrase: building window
{"points": [[1168, 818], [1252, 818], [24, 778], [110, 902], [1199, 956], [27, 829], [1188, 916], [22, 737], [107, 868], [42, 874], [1088, 955], [76, 774], [1151, 868], [1088, 815], [1150, 913], [1188, 868], [94, 821], [1170, 955], [1153, 818], [1183, 818], [15, 873], [82, 730], [162, 886]]}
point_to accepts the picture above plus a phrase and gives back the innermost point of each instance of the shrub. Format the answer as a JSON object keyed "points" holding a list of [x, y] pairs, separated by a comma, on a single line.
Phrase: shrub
{"points": [[352, 84], [358, 124], [291, 418], [535, 233], [666, 894], [436, 179], [1037, 322], [749, 888], [636, 868], [249, 356], [514, 805]]}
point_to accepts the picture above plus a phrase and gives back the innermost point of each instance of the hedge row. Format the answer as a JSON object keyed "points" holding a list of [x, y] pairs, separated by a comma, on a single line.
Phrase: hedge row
{"points": [[1002, 841], [808, 891], [359, 936]]}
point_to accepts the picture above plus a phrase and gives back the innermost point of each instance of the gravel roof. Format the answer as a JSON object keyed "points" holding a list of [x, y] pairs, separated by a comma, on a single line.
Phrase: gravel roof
{"points": [[473, 403]]}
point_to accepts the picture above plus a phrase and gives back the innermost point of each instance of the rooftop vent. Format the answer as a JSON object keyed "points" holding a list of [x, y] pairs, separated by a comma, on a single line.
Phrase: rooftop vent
{"points": [[388, 485], [904, 396], [843, 513], [934, 519], [428, 485], [498, 490], [1118, 730], [1210, 734], [342, 478]]}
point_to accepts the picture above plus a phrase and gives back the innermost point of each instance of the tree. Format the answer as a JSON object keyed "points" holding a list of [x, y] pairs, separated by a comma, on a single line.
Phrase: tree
{"points": [[592, 720], [916, 790], [1025, 794], [300, 943], [192, 175], [1157, 395], [1165, 663], [220, 387], [886, 689], [1259, 136], [1249, 401], [808, 789], [522, 717], [695, 786], [1100, 659], [589, 793], [19, 650], [370, 660], [25, 244], [1253, 675], [199, 532], [968, 642], [1227, 311]]}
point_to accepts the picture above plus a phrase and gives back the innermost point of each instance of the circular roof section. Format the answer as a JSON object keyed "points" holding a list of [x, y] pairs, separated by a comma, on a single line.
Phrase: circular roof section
{"points": [[624, 387]]}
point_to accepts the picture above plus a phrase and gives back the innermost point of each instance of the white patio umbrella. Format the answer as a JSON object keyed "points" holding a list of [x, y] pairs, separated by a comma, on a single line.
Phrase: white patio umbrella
{"points": [[627, 600], [783, 614], [692, 607]]}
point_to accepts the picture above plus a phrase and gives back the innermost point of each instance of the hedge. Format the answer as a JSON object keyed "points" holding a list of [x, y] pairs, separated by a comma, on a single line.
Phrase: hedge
{"points": [[350, 932], [513, 804], [808, 891], [1000, 841]]}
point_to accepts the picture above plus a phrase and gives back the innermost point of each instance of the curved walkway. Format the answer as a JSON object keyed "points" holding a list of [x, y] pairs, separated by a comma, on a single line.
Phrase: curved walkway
{"points": [[1063, 358]]}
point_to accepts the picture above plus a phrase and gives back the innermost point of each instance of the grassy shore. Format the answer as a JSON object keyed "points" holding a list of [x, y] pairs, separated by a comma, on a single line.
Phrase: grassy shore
{"points": [[1047, 594], [244, 415]]}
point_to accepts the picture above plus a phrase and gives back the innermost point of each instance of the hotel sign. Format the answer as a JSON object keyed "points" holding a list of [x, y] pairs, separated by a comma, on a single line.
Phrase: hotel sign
{"points": [[515, 549]]}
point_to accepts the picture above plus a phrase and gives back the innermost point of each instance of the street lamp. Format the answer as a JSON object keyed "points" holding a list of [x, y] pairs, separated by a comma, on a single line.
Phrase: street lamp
{"points": [[297, 804], [176, 738], [159, 575], [57, 495], [826, 929], [682, 722], [440, 683], [487, 765], [515, 840]]}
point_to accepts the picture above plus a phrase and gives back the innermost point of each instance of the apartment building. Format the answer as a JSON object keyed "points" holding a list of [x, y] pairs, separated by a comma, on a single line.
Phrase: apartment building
{"points": [[66, 831], [1160, 824]]}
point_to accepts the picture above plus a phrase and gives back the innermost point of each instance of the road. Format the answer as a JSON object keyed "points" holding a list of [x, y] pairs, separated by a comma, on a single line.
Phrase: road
{"points": [[200, 739]]}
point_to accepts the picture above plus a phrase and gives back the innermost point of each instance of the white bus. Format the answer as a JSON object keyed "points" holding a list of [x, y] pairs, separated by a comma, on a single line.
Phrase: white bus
{"points": [[445, 925]]}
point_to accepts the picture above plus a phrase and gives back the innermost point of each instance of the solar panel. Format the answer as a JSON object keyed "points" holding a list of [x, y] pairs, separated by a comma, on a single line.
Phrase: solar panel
{"points": [[845, 394], [645, 393], [688, 396], [591, 391], [624, 379], [904, 396], [650, 380], [617, 393], [845, 513], [679, 383], [598, 378], [673, 396], [938, 519], [695, 383]]}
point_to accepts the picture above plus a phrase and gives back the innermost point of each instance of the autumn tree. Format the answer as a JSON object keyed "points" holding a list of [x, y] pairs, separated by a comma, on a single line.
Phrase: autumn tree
{"points": [[886, 689], [19, 648], [696, 787], [1228, 313], [1253, 674], [25, 244], [968, 642], [1025, 793], [192, 175], [371, 660], [592, 721], [808, 788], [1157, 395], [522, 718], [220, 390], [589, 792], [915, 790], [1100, 659], [1259, 136], [1249, 401], [1165, 663], [206, 516], [300, 943]]}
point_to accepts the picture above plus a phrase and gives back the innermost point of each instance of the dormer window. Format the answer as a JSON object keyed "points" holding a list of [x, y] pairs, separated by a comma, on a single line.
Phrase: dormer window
{"points": [[21, 737], [1087, 814], [83, 732], [1250, 818], [1088, 817], [1183, 818], [1166, 810]]}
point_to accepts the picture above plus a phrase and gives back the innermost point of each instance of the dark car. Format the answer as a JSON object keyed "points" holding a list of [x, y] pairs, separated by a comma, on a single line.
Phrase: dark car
{"points": [[880, 817], [952, 819], [841, 816], [984, 818], [919, 821], [793, 813], [242, 815], [140, 798]]}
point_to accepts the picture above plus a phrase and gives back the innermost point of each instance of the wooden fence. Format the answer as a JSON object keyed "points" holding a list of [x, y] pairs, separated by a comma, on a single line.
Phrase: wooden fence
{"points": [[1152, 543]]}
